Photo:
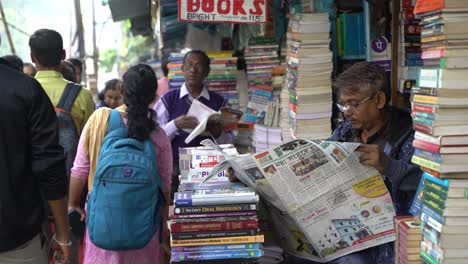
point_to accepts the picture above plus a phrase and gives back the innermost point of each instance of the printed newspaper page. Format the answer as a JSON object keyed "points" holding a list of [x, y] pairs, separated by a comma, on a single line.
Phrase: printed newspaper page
{"points": [[340, 205], [326, 202]]}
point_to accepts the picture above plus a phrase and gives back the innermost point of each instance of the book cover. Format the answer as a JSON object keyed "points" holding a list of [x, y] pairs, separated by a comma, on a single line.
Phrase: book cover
{"points": [[230, 233], [213, 226], [211, 255], [229, 209], [216, 247], [218, 241]]}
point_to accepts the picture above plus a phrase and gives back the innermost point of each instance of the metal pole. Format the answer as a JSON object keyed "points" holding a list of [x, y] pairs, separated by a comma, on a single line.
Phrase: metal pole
{"points": [[7, 30]]}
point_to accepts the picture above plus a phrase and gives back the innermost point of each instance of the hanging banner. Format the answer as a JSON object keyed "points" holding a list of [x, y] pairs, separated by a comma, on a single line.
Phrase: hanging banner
{"points": [[227, 11]]}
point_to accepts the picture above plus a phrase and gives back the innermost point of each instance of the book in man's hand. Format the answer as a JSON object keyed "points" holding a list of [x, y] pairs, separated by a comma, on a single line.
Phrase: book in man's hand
{"points": [[227, 117]]}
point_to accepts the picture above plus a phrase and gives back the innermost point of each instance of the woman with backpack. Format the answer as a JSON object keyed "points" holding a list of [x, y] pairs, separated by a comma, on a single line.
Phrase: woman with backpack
{"points": [[128, 181]]}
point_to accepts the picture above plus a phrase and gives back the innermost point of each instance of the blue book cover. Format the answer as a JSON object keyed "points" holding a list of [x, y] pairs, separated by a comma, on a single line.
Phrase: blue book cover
{"points": [[210, 255], [417, 203]]}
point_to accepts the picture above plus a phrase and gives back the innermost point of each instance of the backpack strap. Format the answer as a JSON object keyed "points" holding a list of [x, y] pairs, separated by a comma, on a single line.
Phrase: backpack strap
{"points": [[115, 121], [69, 95]]}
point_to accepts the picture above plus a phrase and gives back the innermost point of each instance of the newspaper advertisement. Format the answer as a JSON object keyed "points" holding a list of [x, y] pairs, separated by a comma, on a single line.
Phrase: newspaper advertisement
{"points": [[329, 204]]}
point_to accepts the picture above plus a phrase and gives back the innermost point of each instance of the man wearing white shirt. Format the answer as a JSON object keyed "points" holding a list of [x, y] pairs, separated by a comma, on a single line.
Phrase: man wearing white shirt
{"points": [[173, 106]]}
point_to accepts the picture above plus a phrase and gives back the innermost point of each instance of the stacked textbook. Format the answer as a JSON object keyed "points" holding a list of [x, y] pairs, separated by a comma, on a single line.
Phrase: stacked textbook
{"points": [[175, 75], [408, 240], [214, 221], [443, 209], [223, 77], [309, 76], [440, 99], [261, 57]]}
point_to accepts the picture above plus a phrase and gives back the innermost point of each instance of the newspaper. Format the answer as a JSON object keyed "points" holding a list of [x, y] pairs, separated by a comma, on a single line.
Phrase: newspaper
{"points": [[326, 202]]}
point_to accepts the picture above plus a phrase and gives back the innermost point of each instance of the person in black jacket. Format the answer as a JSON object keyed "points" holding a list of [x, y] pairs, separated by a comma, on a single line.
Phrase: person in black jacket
{"points": [[32, 166]]}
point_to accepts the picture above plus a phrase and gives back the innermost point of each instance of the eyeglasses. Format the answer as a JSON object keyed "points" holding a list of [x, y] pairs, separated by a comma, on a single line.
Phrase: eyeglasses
{"points": [[350, 106]]}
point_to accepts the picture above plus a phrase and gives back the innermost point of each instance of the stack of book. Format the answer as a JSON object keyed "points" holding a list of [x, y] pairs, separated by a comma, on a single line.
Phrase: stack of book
{"points": [[223, 77], [214, 221], [171, 32], [443, 209], [440, 99], [410, 48], [408, 240], [261, 57], [309, 76], [266, 137], [175, 76]]}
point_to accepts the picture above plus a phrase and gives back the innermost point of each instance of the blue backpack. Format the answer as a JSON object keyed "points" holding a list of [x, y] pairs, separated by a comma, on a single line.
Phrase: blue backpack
{"points": [[125, 205]]}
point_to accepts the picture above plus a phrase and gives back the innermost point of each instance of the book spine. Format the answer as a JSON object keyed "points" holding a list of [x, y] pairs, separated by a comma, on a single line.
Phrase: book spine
{"points": [[213, 215], [425, 163], [428, 155], [423, 120], [417, 204], [426, 115], [216, 247], [218, 241], [423, 108], [433, 54], [420, 144], [197, 235], [422, 128], [215, 209], [213, 226], [212, 255], [432, 250], [426, 99]]}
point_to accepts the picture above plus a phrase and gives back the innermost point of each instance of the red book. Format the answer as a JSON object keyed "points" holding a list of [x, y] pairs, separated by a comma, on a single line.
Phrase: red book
{"points": [[420, 144], [423, 108], [424, 6], [422, 128], [213, 226]]}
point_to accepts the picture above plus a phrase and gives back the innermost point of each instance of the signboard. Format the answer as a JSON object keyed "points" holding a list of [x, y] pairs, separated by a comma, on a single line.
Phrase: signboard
{"points": [[227, 11], [381, 53]]}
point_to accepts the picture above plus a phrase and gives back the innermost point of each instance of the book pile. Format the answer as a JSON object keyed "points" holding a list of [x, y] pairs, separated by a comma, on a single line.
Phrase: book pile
{"points": [[440, 99], [261, 57], [170, 32], [223, 77], [408, 240], [266, 137], [175, 75], [214, 221], [410, 48], [443, 209], [309, 76]]}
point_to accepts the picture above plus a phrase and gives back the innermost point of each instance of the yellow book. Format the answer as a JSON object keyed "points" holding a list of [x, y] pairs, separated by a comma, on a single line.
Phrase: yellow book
{"points": [[217, 241], [426, 163], [417, 98]]}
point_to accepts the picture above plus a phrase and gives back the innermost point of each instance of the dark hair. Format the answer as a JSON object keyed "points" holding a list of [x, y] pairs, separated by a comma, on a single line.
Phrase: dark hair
{"points": [[14, 62], [47, 46], [111, 84], [139, 89], [28, 64], [205, 57], [76, 62], [164, 68], [365, 77], [68, 71]]}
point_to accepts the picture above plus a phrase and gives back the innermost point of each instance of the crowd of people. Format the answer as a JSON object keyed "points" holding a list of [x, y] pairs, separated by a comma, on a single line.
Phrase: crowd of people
{"points": [[38, 179]]}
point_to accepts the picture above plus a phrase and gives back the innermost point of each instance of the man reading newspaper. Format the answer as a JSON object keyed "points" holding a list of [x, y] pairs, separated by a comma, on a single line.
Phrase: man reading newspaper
{"points": [[385, 135]]}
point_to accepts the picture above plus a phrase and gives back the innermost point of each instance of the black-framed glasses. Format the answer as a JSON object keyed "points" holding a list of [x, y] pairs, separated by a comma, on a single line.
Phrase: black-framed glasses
{"points": [[350, 106]]}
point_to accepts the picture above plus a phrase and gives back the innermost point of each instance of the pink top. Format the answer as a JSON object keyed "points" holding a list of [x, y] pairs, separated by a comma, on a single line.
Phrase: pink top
{"points": [[150, 253], [163, 86]]}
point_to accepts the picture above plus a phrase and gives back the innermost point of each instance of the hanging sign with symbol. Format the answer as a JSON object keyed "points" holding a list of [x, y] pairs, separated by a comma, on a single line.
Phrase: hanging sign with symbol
{"points": [[227, 11]]}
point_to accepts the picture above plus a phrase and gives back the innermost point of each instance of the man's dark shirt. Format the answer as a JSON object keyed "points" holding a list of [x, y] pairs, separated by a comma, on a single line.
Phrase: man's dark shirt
{"points": [[31, 160], [396, 139]]}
